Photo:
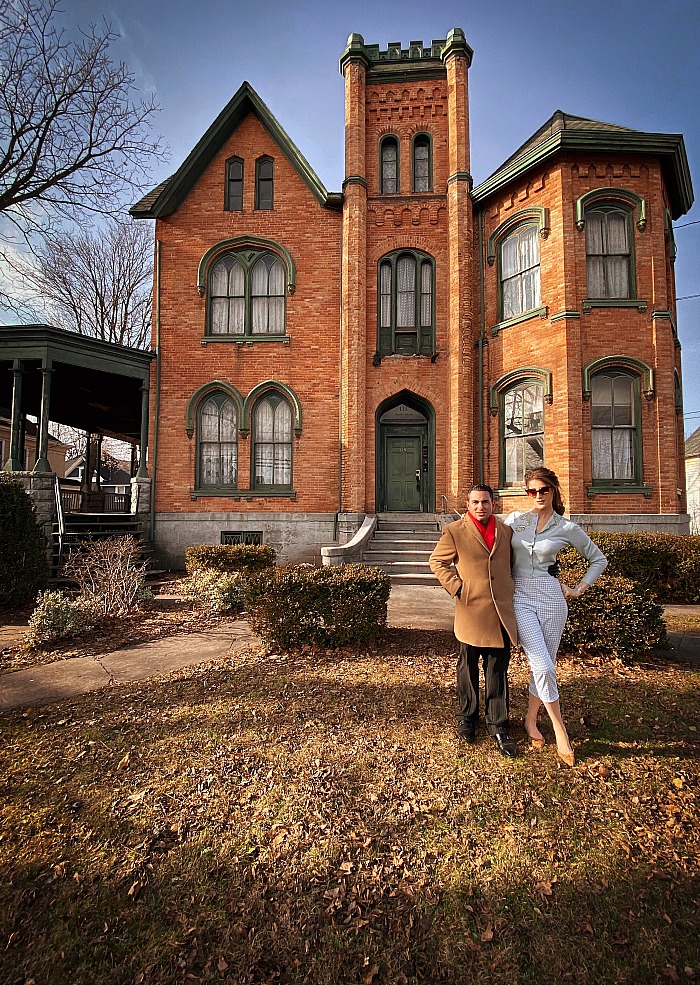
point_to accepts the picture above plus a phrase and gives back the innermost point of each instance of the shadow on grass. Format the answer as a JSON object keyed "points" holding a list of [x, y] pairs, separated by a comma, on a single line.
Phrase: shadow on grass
{"points": [[312, 820]]}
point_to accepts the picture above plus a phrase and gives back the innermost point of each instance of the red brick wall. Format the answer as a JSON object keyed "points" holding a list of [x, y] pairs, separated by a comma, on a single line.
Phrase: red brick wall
{"points": [[309, 365], [565, 346]]}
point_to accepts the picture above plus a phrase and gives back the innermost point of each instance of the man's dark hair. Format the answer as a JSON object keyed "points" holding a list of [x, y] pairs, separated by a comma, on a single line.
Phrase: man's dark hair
{"points": [[481, 487]]}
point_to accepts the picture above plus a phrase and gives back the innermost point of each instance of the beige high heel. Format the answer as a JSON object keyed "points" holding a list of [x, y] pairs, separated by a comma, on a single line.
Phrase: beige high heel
{"points": [[567, 757]]}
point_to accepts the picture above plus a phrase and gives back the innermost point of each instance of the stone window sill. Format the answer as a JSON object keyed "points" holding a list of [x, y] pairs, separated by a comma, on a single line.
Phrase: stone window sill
{"points": [[238, 494]]}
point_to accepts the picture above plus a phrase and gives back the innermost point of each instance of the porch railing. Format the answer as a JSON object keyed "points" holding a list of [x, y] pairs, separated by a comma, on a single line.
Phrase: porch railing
{"points": [[75, 501]]}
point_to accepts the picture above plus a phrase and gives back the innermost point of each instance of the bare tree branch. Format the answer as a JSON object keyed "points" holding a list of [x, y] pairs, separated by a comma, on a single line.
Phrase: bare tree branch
{"points": [[74, 133], [95, 283]]}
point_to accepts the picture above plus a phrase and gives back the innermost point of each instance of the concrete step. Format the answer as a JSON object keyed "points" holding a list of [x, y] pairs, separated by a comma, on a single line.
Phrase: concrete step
{"points": [[406, 537], [392, 554]]}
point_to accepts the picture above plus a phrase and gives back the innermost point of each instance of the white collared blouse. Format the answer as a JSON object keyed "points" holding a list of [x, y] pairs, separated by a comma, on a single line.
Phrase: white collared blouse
{"points": [[534, 552]]}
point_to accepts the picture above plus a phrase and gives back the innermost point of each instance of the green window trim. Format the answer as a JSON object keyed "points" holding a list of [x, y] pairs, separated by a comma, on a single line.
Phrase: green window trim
{"points": [[635, 366], [635, 483], [247, 494], [233, 196], [202, 393], [258, 392], [254, 298], [526, 315], [630, 490], [525, 374], [536, 214], [609, 196], [225, 447], [391, 337], [389, 139], [239, 243], [420, 140], [265, 184]]}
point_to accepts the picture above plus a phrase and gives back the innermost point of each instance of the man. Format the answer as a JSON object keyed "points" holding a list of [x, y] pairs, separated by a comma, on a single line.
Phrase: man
{"points": [[478, 545]]}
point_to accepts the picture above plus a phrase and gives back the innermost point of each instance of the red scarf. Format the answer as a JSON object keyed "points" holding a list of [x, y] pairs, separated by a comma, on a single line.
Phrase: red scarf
{"points": [[487, 530]]}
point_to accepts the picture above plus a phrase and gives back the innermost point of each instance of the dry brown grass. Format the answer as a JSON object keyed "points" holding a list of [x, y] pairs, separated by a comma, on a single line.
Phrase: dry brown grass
{"points": [[312, 818]]}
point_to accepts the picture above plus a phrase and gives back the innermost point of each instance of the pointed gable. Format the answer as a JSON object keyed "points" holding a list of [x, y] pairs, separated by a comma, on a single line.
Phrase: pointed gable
{"points": [[564, 133], [169, 195]]}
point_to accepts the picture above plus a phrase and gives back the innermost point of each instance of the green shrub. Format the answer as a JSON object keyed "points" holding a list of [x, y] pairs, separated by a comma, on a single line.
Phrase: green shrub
{"points": [[615, 617], [246, 558], [24, 566], [57, 617], [666, 564], [217, 591], [299, 604]]}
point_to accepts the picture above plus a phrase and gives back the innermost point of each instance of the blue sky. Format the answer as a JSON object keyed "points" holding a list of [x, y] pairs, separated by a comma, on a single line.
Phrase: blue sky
{"points": [[631, 62]]}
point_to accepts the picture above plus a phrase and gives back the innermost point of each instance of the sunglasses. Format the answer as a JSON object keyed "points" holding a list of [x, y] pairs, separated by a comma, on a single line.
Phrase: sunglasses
{"points": [[540, 491]]}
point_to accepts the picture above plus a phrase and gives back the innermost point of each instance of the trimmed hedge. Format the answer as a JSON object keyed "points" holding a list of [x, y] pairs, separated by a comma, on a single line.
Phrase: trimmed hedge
{"points": [[300, 605], [217, 591], [245, 558], [616, 616], [24, 566], [668, 565]]}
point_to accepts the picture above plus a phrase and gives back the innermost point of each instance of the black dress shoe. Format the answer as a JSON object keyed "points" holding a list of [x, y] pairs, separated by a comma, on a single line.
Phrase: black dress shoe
{"points": [[466, 729], [506, 745]]}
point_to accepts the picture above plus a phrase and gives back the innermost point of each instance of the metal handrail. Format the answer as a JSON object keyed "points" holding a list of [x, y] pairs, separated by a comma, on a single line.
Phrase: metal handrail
{"points": [[60, 520], [445, 507]]}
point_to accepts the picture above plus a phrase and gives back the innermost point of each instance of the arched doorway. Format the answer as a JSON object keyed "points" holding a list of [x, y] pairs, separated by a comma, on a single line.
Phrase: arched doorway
{"points": [[405, 455]]}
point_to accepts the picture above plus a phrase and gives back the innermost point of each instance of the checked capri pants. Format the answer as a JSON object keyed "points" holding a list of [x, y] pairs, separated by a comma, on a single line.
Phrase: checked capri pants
{"points": [[540, 611]]}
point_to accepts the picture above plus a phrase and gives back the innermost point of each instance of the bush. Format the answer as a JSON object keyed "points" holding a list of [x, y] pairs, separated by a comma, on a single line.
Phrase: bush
{"points": [[666, 564], [246, 558], [56, 617], [24, 566], [300, 604], [109, 574], [615, 617], [217, 591]]}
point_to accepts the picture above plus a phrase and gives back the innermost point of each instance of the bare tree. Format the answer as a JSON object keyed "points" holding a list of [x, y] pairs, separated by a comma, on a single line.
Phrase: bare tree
{"points": [[95, 283], [74, 133]]}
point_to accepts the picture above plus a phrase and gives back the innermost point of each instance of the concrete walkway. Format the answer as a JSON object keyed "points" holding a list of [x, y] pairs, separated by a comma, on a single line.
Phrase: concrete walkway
{"points": [[410, 607]]}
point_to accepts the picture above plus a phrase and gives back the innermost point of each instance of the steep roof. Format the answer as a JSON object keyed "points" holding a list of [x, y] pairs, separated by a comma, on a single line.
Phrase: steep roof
{"points": [[566, 133], [170, 194]]}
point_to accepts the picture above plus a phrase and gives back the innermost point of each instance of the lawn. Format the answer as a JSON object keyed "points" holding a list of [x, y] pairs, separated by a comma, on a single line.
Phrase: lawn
{"points": [[312, 818]]}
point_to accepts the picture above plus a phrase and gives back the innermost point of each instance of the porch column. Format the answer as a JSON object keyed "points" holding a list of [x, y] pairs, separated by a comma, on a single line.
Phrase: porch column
{"points": [[98, 456], [87, 467], [15, 462], [143, 471], [42, 462]]}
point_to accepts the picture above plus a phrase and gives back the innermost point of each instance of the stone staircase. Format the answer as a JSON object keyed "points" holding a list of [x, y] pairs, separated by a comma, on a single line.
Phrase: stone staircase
{"points": [[79, 528], [402, 544]]}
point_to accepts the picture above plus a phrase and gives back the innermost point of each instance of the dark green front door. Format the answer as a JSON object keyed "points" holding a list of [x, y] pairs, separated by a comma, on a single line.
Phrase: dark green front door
{"points": [[403, 471]]}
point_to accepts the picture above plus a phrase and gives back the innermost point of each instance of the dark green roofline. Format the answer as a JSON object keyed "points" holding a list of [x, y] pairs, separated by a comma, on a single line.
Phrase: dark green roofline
{"points": [[405, 62], [668, 147], [171, 194]]}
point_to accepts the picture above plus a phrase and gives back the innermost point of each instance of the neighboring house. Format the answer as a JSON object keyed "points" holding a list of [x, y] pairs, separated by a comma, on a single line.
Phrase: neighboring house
{"points": [[57, 450], [328, 355], [692, 479], [115, 476]]}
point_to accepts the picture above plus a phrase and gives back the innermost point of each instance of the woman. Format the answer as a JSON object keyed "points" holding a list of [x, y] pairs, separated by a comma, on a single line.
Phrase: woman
{"points": [[540, 599]]}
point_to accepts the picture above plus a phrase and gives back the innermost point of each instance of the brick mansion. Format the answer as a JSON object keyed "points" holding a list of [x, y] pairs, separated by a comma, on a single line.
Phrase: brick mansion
{"points": [[324, 357]]}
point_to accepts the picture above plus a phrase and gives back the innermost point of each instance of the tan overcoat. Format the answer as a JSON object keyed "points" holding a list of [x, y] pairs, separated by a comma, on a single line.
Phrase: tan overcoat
{"points": [[486, 600]]}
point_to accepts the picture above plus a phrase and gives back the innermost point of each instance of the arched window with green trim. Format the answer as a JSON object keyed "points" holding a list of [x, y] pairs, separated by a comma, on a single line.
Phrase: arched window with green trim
{"points": [[272, 442], [389, 166], [264, 183], [519, 271], [522, 430], [247, 294], [609, 238], [406, 304], [234, 185], [615, 428], [217, 442], [422, 163]]}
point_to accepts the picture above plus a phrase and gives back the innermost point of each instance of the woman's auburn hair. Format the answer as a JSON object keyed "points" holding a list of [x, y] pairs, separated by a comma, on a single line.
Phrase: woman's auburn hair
{"points": [[546, 475]]}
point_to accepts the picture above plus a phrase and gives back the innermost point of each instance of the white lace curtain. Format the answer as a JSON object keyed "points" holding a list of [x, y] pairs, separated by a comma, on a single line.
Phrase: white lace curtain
{"points": [[218, 449], [268, 298], [273, 442], [520, 272], [607, 255]]}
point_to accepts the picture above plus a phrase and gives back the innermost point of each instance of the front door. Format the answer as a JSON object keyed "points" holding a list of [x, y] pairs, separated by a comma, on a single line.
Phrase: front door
{"points": [[403, 473]]}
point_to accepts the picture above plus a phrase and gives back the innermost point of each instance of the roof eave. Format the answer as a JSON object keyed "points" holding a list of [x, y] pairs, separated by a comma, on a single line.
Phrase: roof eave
{"points": [[669, 147], [246, 100]]}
